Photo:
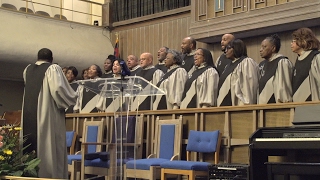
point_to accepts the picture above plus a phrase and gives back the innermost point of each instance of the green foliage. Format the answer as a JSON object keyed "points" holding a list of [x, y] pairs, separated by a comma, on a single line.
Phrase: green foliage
{"points": [[12, 160]]}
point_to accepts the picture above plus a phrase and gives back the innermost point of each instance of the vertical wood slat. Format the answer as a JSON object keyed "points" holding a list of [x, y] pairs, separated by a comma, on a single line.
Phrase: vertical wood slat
{"points": [[261, 119], [227, 135], [200, 155], [197, 126], [291, 116], [150, 135]]}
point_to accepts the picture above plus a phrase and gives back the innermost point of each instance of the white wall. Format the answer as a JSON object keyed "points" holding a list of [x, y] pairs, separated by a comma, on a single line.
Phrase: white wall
{"points": [[23, 35]]}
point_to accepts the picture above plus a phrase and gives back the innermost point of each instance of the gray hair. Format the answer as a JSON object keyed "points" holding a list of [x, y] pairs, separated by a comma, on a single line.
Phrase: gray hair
{"points": [[176, 56]]}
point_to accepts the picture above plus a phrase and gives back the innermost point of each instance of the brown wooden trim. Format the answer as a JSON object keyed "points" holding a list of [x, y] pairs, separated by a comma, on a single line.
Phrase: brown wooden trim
{"points": [[152, 17], [204, 110]]}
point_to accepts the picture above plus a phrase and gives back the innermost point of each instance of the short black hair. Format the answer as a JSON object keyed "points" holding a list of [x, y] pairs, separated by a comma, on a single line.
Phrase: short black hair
{"points": [[74, 70], [111, 57], [45, 54], [239, 48]]}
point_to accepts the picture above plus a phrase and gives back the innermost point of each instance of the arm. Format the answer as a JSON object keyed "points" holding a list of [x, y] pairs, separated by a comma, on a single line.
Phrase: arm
{"points": [[282, 81], [315, 78], [60, 89], [176, 86], [157, 75], [207, 84], [246, 84]]}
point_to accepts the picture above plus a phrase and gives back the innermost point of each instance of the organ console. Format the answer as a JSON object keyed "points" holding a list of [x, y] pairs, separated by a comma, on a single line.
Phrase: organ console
{"points": [[296, 144]]}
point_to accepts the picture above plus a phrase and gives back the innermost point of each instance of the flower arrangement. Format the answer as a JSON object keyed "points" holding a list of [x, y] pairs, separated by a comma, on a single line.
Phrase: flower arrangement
{"points": [[12, 160]]}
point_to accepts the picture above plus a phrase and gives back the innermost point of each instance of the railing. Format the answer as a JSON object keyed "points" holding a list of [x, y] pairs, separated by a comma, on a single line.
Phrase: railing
{"points": [[236, 124], [81, 11]]}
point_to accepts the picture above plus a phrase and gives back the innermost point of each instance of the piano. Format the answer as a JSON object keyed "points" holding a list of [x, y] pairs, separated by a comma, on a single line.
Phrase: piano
{"points": [[295, 144]]}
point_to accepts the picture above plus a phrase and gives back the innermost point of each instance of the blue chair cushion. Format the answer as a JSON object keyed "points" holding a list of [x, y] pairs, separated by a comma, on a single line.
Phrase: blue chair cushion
{"points": [[105, 164], [91, 156], [186, 165], [69, 136], [145, 163], [203, 141], [71, 158]]}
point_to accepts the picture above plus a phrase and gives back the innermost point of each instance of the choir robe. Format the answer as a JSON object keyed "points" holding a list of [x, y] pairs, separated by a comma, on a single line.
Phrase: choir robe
{"points": [[74, 86], [172, 83], [188, 61], [306, 77], [200, 88], [238, 84], [152, 75], [87, 98], [135, 70], [275, 80], [222, 62], [162, 67], [108, 74], [46, 96]]}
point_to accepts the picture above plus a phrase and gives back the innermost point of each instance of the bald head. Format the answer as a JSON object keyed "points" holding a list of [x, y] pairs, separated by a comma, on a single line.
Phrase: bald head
{"points": [[226, 38], [188, 44], [146, 60]]}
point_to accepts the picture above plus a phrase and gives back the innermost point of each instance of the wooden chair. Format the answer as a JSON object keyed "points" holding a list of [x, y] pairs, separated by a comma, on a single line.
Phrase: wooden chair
{"points": [[198, 141], [92, 132], [167, 146], [71, 141], [132, 142]]}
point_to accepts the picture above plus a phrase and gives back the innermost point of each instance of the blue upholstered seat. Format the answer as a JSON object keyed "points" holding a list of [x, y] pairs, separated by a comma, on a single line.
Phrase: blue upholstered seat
{"points": [[105, 164], [145, 163], [166, 150], [186, 165], [198, 141], [128, 127], [76, 157], [69, 138], [92, 132], [167, 145]]}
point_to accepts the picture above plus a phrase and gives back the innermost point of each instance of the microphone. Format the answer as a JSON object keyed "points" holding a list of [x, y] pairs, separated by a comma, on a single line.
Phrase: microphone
{"points": [[125, 71]]}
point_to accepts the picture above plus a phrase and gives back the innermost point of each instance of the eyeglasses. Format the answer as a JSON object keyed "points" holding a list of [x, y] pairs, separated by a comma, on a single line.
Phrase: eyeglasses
{"points": [[293, 41]]}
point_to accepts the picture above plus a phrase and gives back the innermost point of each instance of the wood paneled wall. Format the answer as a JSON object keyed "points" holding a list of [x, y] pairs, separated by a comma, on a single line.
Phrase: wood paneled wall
{"points": [[151, 35], [169, 31]]}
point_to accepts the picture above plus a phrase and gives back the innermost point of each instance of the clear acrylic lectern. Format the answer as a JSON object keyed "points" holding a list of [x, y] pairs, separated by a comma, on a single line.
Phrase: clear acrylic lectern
{"points": [[126, 130]]}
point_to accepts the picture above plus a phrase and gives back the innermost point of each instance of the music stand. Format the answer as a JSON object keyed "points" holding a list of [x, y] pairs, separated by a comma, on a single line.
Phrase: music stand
{"points": [[125, 89]]}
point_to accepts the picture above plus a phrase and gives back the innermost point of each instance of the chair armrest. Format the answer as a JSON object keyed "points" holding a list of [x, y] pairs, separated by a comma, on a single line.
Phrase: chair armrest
{"points": [[78, 152], [175, 157], [106, 143], [151, 156]]}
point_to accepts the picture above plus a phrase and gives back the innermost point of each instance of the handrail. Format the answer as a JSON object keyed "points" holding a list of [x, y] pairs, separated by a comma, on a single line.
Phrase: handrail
{"points": [[203, 110]]}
